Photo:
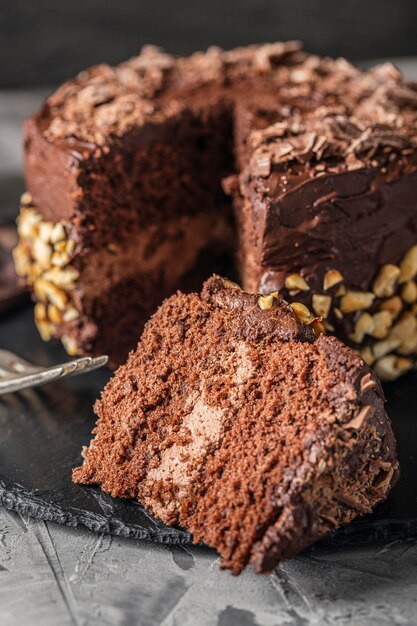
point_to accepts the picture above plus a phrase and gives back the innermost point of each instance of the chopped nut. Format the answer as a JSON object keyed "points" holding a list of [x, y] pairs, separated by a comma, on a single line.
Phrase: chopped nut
{"points": [[393, 305], [42, 253], [295, 282], [47, 291], [34, 273], [382, 322], [57, 233], [54, 314], [356, 301], [409, 292], [386, 368], [302, 312], [385, 282], [22, 260], [331, 278], [45, 328], [69, 344], [26, 198], [403, 364], [70, 314], [60, 246], [70, 246], [39, 291], [408, 345], [391, 367], [341, 291], [364, 326], [27, 223], [56, 296], [261, 164], [367, 355], [229, 284], [321, 304], [266, 302], [380, 348], [64, 278], [40, 311], [408, 265], [404, 328], [60, 259], [45, 230]]}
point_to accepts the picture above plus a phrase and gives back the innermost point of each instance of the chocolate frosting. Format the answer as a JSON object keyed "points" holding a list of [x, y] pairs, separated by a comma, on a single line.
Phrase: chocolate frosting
{"points": [[251, 322]]}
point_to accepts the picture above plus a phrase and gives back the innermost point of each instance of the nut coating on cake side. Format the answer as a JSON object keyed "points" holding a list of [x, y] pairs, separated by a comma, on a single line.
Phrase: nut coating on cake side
{"points": [[239, 422]]}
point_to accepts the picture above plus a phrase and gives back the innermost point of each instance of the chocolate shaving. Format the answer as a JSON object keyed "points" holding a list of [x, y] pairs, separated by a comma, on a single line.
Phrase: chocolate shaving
{"points": [[329, 137], [358, 421], [261, 164], [403, 95], [270, 55], [353, 503]]}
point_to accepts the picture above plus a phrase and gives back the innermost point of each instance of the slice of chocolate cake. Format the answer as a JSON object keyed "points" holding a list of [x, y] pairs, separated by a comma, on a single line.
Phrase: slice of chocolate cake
{"points": [[234, 420]]}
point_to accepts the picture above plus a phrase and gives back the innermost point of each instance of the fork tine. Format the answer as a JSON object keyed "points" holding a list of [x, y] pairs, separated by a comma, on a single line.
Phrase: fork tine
{"points": [[76, 365], [81, 365], [29, 380], [94, 364], [33, 377]]}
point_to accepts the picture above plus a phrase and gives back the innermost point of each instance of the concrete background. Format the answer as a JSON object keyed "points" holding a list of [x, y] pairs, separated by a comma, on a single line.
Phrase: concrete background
{"points": [[56, 576]]}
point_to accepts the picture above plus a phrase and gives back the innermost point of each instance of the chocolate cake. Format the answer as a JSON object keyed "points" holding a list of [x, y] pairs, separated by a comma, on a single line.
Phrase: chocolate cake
{"points": [[132, 172], [243, 424]]}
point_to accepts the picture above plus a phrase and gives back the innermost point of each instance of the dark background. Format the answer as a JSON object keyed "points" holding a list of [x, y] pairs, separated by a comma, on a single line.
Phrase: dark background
{"points": [[45, 41]]}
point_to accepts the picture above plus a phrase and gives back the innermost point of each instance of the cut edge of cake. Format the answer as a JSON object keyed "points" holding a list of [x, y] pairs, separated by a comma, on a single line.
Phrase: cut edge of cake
{"points": [[235, 420]]}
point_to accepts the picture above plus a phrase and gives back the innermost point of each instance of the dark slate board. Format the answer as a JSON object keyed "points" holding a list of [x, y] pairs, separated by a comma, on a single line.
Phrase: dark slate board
{"points": [[42, 432]]}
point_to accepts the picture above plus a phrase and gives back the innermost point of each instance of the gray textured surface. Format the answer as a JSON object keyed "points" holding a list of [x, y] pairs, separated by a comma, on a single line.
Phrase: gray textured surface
{"points": [[56, 576]]}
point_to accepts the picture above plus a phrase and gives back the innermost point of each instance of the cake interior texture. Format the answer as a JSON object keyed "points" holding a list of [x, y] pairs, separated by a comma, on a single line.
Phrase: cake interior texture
{"points": [[149, 176], [161, 212], [232, 419], [153, 216]]}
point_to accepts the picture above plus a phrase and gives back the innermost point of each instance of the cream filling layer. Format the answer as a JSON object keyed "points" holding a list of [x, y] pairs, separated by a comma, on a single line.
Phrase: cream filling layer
{"points": [[169, 250]]}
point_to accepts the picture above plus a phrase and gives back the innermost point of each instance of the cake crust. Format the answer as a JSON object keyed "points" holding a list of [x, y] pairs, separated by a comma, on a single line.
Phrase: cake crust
{"points": [[235, 421]]}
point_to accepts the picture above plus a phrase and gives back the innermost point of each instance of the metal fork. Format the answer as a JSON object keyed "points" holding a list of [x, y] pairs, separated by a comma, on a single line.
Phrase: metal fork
{"points": [[16, 373]]}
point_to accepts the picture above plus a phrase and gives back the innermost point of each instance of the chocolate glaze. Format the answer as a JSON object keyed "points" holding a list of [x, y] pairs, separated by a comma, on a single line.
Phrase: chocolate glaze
{"points": [[253, 324], [344, 220]]}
